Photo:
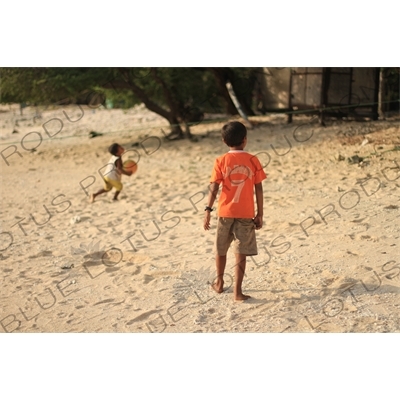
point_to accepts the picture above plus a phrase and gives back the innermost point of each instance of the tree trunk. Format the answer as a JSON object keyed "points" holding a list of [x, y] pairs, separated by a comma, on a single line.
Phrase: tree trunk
{"points": [[176, 130], [237, 104], [177, 110], [171, 116]]}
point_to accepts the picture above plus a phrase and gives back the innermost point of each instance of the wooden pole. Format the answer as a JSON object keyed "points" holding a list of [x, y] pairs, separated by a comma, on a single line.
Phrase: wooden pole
{"points": [[381, 114], [323, 97], [290, 115]]}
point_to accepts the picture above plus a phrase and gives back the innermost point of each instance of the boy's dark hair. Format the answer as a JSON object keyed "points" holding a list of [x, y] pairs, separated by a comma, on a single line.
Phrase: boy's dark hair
{"points": [[233, 133], [113, 149]]}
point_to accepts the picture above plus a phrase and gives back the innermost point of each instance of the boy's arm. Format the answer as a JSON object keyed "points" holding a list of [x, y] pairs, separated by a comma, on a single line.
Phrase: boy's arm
{"points": [[118, 165], [258, 219], [212, 194]]}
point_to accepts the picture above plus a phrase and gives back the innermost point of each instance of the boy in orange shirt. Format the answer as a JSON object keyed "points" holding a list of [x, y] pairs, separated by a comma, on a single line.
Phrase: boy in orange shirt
{"points": [[240, 174]]}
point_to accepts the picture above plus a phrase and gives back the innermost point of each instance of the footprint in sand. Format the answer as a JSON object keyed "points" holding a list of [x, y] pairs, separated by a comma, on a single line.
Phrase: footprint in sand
{"points": [[104, 302], [391, 207], [44, 253], [147, 279], [141, 317]]}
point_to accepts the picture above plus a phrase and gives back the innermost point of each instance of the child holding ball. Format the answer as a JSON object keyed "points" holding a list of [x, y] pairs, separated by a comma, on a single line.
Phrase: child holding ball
{"points": [[113, 172]]}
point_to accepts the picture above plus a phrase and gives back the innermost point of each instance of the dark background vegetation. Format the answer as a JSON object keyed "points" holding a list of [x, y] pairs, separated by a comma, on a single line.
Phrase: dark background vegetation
{"points": [[180, 95]]}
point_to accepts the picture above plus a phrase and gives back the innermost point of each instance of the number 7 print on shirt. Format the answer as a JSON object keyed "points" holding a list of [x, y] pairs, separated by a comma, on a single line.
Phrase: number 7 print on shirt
{"points": [[239, 183]]}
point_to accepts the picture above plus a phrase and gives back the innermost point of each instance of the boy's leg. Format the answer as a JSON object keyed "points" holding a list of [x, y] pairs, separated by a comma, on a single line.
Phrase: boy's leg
{"points": [[223, 239], [118, 187], [240, 268], [94, 195], [245, 245], [107, 188], [218, 282]]}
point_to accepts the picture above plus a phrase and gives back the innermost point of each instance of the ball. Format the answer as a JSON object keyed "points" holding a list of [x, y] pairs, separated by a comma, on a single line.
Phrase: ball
{"points": [[129, 166]]}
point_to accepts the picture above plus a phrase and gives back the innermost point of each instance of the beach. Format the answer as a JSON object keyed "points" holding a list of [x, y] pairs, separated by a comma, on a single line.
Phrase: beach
{"points": [[328, 251]]}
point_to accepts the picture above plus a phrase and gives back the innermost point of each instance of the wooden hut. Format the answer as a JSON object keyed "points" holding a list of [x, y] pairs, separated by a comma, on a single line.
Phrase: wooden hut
{"points": [[340, 92]]}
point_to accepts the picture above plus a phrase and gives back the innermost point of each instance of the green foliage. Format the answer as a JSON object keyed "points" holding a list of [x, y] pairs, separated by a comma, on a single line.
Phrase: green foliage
{"points": [[184, 88], [188, 87], [122, 98], [47, 85]]}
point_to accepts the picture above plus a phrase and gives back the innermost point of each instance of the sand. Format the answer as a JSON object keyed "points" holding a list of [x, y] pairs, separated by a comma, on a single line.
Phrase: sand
{"points": [[328, 252]]}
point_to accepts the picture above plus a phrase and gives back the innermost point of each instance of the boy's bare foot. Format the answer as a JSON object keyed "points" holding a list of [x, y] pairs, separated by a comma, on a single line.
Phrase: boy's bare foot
{"points": [[115, 199], [219, 288], [91, 198], [241, 297]]}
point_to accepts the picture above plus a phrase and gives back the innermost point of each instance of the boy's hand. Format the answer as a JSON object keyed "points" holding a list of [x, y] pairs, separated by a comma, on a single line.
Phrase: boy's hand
{"points": [[123, 172], [258, 221], [206, 222]]}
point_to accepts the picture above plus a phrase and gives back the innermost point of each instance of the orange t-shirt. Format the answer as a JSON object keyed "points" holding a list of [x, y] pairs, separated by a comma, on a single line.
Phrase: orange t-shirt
{"points": [[238, 171]]}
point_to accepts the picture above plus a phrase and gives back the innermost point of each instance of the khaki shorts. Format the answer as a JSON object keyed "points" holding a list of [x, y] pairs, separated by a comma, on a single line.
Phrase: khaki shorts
{"points": [[239, 230], [110, 183]]}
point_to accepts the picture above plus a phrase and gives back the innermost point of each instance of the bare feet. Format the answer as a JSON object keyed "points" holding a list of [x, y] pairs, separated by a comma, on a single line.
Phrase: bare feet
{"points": [[218, 287], [91, 198], [241, 297]]}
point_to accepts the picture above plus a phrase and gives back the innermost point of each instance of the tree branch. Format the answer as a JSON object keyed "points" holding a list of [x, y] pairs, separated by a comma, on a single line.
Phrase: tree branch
{"points": [[127, 83]]}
